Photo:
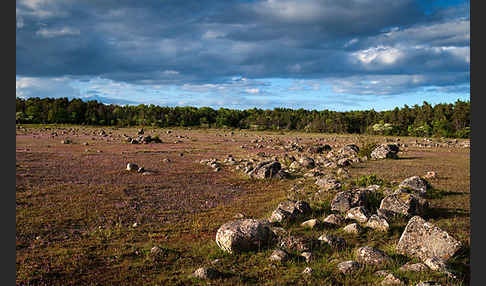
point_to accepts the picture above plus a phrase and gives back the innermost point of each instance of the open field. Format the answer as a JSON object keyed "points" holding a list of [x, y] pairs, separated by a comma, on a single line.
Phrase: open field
{"points": [[82, 219]]}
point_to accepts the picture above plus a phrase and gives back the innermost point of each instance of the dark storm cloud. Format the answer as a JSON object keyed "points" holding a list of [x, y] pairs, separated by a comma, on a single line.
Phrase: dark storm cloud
{"points": [[178, 42]]}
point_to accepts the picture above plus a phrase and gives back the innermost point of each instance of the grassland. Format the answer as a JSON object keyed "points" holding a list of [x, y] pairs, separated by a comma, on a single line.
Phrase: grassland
{"points": [[81, 219]]}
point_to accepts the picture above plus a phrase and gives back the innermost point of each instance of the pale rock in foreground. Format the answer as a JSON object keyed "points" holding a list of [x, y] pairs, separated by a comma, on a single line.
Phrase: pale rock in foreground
{"points": [[348, 267], [372, 256], [243, 235]]}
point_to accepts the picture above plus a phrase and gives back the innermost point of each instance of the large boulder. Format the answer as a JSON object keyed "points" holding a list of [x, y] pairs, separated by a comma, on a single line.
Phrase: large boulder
{"points": [[424, 240], [415, 184], [359, 214], [243, 235], [268, 169], [403, 203], [350, 149], [343, 201], [290, 210], [385, 151]]}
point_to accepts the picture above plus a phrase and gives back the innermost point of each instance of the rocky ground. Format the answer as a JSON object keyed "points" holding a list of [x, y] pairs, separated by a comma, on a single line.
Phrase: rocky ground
{"points": [[178, 206]]}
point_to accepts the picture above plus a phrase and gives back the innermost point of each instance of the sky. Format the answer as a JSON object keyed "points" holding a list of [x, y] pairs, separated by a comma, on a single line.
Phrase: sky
{"points": [[313, 54]]}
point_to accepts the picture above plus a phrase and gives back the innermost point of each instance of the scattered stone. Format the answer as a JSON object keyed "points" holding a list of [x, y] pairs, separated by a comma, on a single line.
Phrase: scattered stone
{"points": [[308, 256], [381, 273], [414, 267], [378, 223], [424, 240], [385, 151], [297, 243], [436, 264], [243, 235], [307, 162], [328, 183], [310, 223], [132, 167], [372, 256], [307, 271], [289, 210], [155, 251], [345, 200], [344, 162], [66, 141], [334, 219], [239, 216], [279, 255], [206, 273], [141, 170], [265, 170], [416, 184], [430, 175], [402, 203], [359, 214], [428, 283], [390, 279], [353, 228], [348, 267], [333, 241]]}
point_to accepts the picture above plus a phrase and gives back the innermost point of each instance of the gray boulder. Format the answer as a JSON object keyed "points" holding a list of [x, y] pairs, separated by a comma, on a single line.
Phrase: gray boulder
{"points": [[424, 240], [416, 184], [402, 203], [385, 151], [372, 256], [348, 267], [243, 235], [279, 255], [266, 170], [328, 183], [206, 273], [359, 214], [353, 228], [345, 200], [333, 241], [334, 220], [378, 223], [414, 267]]}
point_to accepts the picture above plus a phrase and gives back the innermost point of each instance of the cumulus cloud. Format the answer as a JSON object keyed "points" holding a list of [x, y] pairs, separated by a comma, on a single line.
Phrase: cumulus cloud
{"points": [[59, 32]]}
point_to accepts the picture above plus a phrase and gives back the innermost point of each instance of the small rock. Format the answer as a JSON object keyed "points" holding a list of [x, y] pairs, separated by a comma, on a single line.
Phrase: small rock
{"points": [[358, 213], [353, 228], [378, 223], [414, 267], [436, 264], [310, 223], [416, 184], [372, 256], [239, 216], [390, 279], [428, 283], [243, 235], [348, 267], [141, 170], [333, 241], [279, 255], [381, 273], [206, 273], [156, 251], [132, 167], [334, 219], [307, 271], [430, 175], [308, 256]]}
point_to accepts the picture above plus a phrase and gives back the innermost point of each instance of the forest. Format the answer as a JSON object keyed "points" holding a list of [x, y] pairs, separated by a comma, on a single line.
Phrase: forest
{"points": [[451, 120]]}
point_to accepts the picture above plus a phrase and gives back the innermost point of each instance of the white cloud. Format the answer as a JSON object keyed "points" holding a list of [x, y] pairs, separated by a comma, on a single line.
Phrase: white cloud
{"points": [[45, 87], [252, 90], [51, 33], [381, 54]]}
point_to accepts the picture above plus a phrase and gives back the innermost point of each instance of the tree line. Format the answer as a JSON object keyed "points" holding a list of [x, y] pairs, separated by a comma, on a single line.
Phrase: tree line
{"points": [[442, 120]]}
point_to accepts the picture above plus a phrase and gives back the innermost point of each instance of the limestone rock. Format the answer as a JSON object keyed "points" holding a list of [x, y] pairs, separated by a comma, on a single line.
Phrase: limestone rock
{"points": [[345, 200], [353, 228], [333, 241], [279, 255], [414, 267], [359, 214], [385, 151], [378, 223], [334, 220], [390, 279], [402, 203], [243, 235], [328, 183], [348, 267], [311, 223], [416, 184], [132, 167], [206, 273], [424, 240], [372, 256]]}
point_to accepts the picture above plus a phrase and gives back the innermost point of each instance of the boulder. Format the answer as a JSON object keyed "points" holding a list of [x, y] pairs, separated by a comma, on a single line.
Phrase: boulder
{"points": [[348, 267], [333, 241], [385, 151], [353, 228], [243, 235], [279, 255], [206, 273], [345, 200], [424, 240], [311, 223], [132, 167], [307, 256], [307, 162], [267, 169], [402, 203], [307, 271], [295, 243], [372, 256], [378, 223], [359, 214], [390, 279], [328, 183], [289, 210], [416, 184], [334, 220], [414, 267]]}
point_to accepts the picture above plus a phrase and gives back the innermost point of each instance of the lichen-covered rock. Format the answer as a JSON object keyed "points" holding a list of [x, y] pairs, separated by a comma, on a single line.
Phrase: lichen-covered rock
{"points": [[279, 255], [206, 273], [280, 215], [334, 220], [333, 241], [390, 279], [328, 183], [378, 223], [243, 235], [345, 200], [359, 214], [289, 210], [267, 169], [296, 243], [353, 228], [385, 151], [414, 267], [311, 223], [436, 264], [372, 256], [416, 184], [348, 267], [402, 203], [424, 240]]}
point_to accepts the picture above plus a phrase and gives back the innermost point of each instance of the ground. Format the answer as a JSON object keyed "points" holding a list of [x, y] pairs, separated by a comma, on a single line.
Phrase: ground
{"points": [[82, 219]]}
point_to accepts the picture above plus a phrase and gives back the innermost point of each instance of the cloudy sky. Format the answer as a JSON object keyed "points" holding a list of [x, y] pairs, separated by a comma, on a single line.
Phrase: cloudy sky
{"points": [[313, 54]]}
